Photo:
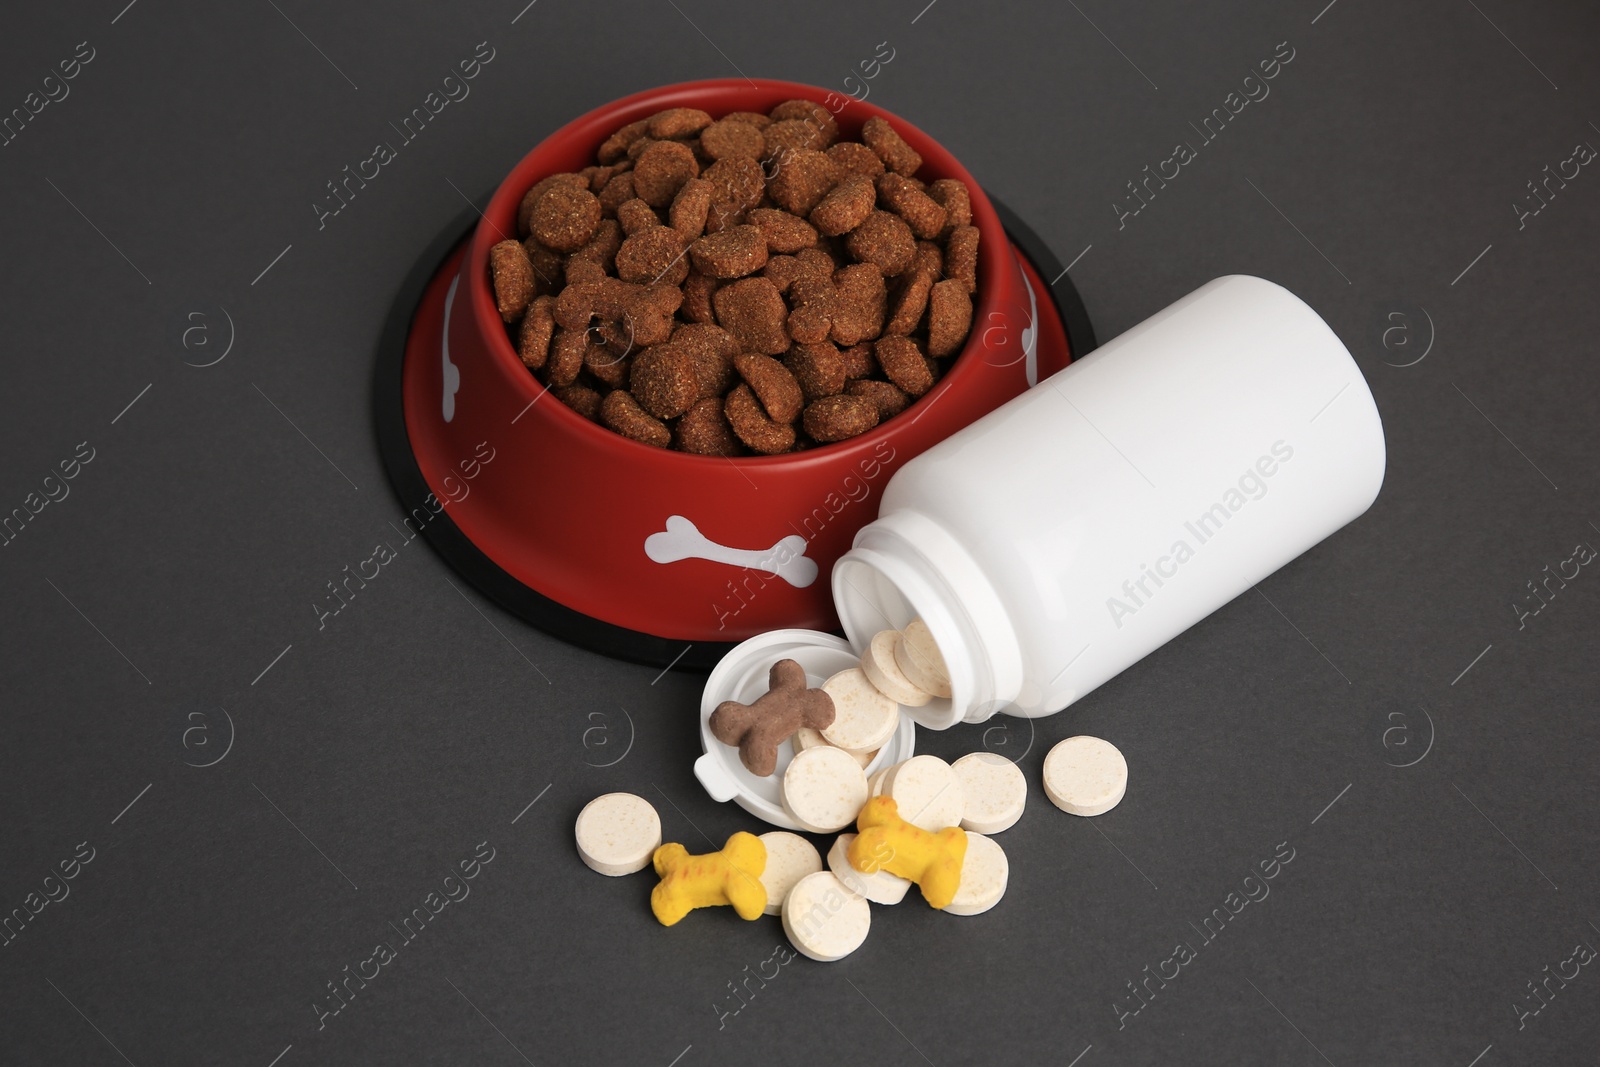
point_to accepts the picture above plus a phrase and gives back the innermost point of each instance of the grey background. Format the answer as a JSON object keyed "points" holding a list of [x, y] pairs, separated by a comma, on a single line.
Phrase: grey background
{"points": [[376, 753]]}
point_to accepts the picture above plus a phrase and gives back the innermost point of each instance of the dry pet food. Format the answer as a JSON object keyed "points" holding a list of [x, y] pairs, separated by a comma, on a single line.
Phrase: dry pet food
{"points": [[840, 285], [758, 728], [731, 876], [886, 842]]}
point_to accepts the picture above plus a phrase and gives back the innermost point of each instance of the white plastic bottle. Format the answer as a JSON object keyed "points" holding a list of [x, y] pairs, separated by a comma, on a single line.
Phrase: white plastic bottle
{"points": [[1060, 538], [1080, 526]]}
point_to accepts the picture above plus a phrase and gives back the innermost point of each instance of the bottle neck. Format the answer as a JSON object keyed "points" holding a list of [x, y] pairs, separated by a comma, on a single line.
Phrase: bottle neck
{"points": [[905, 565]]}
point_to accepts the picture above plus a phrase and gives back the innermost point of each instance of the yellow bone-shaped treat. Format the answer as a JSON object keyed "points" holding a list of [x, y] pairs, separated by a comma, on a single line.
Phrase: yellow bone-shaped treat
{"points": [[732, 876], [889, 843]]}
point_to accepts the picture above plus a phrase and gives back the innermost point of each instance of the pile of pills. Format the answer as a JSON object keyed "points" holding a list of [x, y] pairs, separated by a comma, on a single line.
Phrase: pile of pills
{"points": [[921, 821]]}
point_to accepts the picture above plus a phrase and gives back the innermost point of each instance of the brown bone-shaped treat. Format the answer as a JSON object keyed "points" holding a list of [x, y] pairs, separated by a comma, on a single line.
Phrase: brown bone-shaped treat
{"points": [[760, 727]]}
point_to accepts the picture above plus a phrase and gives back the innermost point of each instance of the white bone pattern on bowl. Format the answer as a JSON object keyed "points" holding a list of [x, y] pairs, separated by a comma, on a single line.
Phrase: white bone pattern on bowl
{"points": [[683, 540]]}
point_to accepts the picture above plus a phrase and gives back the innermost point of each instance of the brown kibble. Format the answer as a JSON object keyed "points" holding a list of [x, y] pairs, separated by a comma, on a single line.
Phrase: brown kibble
{"points": [[889, 146], [922, 212], [662, 169], [654, 254], [512, 275], [804, 177], [780, 271], [636, 216], [752, 310], [887, 397], [567, 350], [606, 366], [540, 187], [853, 157], [578, 303], [712, 348], [811, 297], [602, 247], [949, 317], [704, 430], [861, 300], [697, 291], [565, 217], [751, 425], [961, 256], [772, 384], [817, 368], [654, 287], [790, 136], [663, 381], [690, 206], [622, 413], [729, 138], [579, 398], [929, 261], [784, 233], [533, 338], [733, 253], [724, 216], [678, 122], [546, 265], [636, 149], [820, 116], [647, 313], [952, 195], [909, 303], [885, 241], [616, 146], [612, 335], [845, 207], [836, 418], [859, 362], [596, 260], [618, 191], [740, 183], [904, 364], [583, 271]]}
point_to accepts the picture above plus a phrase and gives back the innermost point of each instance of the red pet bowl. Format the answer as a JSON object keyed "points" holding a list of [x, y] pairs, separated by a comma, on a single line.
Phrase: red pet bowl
{"points": [[653, 555]]}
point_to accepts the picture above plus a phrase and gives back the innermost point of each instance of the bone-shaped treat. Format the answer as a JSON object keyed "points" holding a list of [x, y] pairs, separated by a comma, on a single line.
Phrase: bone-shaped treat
{"points": [[758, 728], [683, 540], [731, 876], [889, 843]]}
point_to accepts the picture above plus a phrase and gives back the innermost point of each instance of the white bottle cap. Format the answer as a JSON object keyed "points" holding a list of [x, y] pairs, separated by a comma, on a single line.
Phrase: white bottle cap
{"points": [[742, 676]]}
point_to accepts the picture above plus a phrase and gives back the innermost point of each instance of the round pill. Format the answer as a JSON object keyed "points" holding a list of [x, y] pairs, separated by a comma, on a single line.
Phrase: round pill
{"points": [[927, 792], [823, 919], [824, 789], [880, 886], [1085, 775], [984, 873], [921, 661], [863, 718], [790, 858], [994, 789], [875, 783], [885, 674], [618, 833], [806, 737]]}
